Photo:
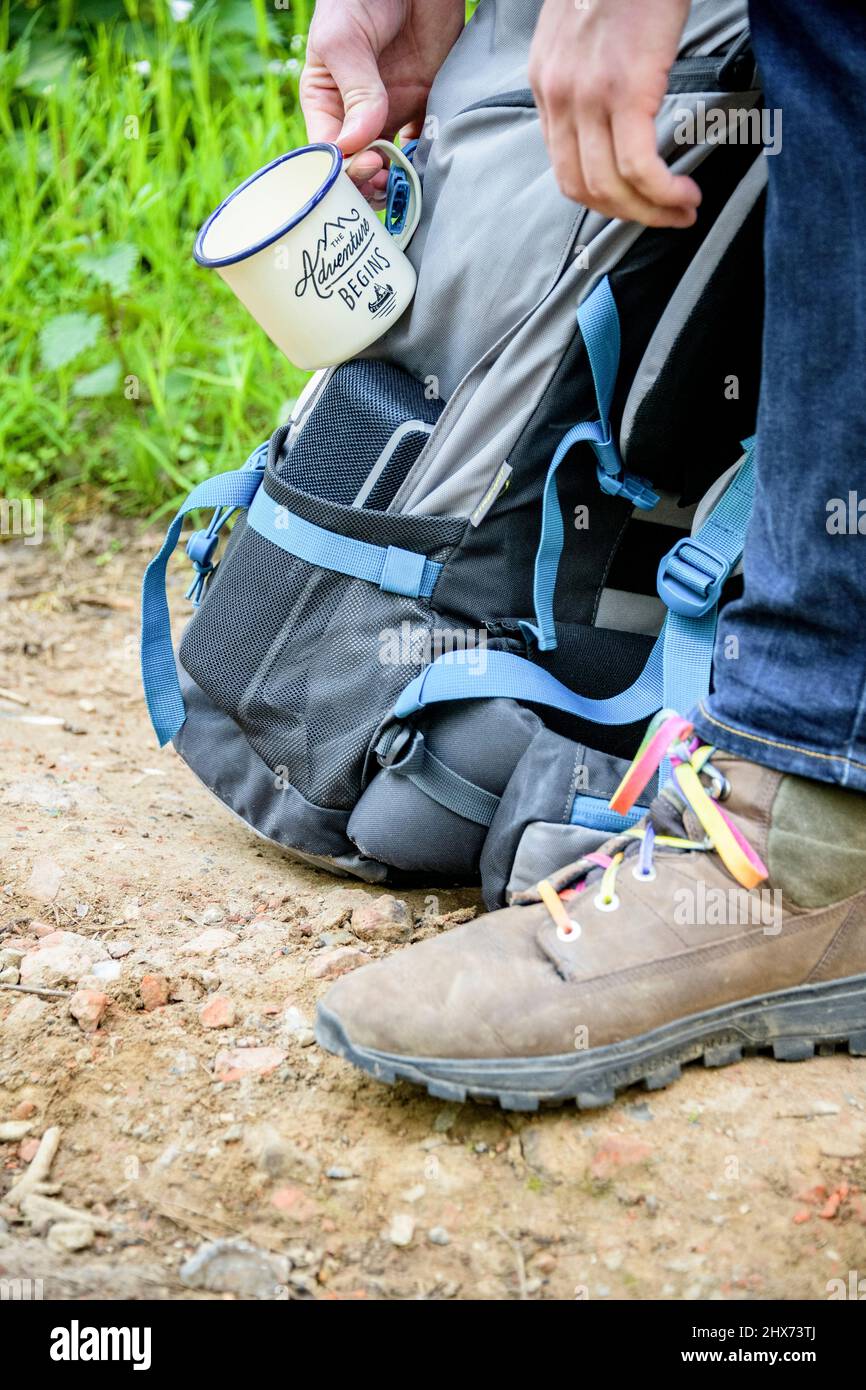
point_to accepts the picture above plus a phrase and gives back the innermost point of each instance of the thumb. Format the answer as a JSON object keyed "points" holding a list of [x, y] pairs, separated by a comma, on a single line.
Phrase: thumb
{"points": [[365, 101]]}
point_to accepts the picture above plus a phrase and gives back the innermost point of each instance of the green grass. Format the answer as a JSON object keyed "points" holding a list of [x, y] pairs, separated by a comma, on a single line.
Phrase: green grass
{"points": [[127, 373]]}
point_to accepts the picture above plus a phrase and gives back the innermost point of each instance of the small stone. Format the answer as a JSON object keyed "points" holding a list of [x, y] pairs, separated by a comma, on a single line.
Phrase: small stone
{"points": [[11, 1131], [384, 919], [437, 1235], [118, 949], [294, 1021], [106, 970], [185, 991], [331, 964], [336, 909], [808, 1109], [247, 1061], [28, 1149], [88, 1007], [67, 1237], [212, 915], [10, 975], [401, 1228], [235, 1266], [24, 1110], [60, 959], [215, 939], [46, 875], [154, 990], [842, 1146], [294, 1203], [277, 1156], [218, 1012], [337, 1174]]}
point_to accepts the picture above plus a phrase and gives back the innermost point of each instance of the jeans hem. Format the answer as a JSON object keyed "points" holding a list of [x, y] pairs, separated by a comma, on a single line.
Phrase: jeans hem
{"points": [[778, 754]]}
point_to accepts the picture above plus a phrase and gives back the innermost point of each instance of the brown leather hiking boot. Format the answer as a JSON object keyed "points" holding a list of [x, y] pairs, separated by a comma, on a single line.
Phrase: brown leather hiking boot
{"points": [[673, 943]]}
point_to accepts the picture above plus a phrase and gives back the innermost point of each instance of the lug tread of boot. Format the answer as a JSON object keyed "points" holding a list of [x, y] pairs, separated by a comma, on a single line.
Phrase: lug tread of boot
{"points": [[660, 1068]]}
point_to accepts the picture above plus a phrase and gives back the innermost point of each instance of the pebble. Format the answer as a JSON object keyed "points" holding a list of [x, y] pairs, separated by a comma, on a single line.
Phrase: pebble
{"points": [[808, 1110], [218, 1012], [154, 990], [106, 970], [384, 919], [235, 1266], [337, 1174], [401, 1228], [88, 1007], [9, 975], [13, 1130], [437, 1235], [277, 1156], [212, 915], [215, 939], [842, 1146], [60, 959], [339, 961], [67, 1237], [117, 949], [45, 878], [247, 1061]]}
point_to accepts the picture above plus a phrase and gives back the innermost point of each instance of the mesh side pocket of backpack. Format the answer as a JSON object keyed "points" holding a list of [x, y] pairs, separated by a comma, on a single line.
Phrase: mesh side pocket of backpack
{"points": [[360, 428], [298, 655]]}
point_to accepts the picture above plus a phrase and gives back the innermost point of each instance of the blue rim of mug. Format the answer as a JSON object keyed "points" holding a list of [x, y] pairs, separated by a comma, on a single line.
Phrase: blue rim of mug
{"points": [[331, 177]]}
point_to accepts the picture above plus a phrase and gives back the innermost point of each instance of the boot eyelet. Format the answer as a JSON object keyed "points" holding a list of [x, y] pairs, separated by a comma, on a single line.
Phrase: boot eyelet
{"points": [[568, 934], [606, 904], [644, 875]]}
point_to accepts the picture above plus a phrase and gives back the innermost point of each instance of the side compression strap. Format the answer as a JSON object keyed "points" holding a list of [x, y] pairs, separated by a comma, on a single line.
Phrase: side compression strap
{"points": [[394, 570], [158, 670], [598, 321]]}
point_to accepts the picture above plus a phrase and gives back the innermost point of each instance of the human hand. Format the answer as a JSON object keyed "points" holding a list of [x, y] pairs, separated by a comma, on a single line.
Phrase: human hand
{"points": [[599, 75]]}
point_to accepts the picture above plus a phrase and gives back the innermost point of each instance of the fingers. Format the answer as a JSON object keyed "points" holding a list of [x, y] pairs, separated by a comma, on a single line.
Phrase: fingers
{"points": [[352, 68], [642, 167], [609, 190]]}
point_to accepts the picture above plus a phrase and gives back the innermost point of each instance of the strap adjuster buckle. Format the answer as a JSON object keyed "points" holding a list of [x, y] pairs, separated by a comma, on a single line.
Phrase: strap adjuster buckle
{"points": [[637, 490], [690, 577]]}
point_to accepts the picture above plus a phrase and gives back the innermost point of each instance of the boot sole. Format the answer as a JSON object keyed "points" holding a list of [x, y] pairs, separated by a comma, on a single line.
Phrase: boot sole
{"points": [[790, 1024]]}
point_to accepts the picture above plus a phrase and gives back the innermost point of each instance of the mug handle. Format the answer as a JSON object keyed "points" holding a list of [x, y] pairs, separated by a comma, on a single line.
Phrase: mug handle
{"points": [[395, 155]]}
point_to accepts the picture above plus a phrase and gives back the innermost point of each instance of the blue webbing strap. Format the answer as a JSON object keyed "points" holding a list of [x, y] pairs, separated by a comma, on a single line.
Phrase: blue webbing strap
{"points": [[598, 321], [690, 580], [158, 669], [594, 813], [677, 672], [512, 677], [394, 570]]}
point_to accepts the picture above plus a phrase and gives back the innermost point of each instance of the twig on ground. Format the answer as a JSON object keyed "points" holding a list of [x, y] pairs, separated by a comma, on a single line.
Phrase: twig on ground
{"points": [[37, 989]]}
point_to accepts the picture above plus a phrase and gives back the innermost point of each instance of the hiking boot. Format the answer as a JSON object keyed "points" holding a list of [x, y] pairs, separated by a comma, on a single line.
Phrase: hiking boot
{"points": [[732, 919]]}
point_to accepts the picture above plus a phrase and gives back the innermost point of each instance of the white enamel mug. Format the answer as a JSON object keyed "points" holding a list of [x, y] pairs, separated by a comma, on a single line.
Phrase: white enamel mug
{"points": [[309, 258]]}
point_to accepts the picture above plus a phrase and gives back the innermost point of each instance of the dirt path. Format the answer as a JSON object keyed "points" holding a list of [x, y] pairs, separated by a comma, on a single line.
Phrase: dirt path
{"points": [[738, 1184]]}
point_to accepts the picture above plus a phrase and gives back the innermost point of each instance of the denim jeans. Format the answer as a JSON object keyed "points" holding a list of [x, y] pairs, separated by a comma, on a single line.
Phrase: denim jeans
{"points": [[790, 660]]}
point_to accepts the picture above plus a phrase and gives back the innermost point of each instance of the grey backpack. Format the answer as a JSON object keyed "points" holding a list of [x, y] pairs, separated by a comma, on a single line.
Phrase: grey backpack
{"points": [[482, 554]]}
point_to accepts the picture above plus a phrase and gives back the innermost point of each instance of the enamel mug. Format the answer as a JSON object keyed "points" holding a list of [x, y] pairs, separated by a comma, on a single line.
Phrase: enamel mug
{"points": [[303, 250]]}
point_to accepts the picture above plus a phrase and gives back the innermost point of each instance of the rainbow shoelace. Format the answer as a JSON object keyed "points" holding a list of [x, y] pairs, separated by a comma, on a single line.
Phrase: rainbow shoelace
{"points": [[668, 736]]}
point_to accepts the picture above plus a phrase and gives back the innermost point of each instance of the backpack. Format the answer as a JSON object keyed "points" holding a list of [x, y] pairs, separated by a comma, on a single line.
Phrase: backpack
{"points": [[483, 553]]}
